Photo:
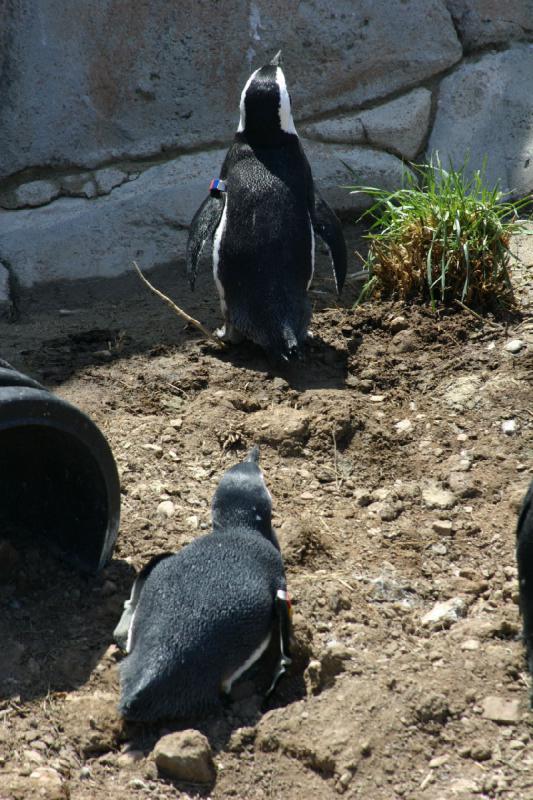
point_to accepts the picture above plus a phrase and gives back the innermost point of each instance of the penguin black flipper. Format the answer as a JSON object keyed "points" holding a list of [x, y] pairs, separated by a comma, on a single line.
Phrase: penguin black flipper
{"points": [[203, 227], [524, 557], [121, 634], [327, 226], [283, 617]]}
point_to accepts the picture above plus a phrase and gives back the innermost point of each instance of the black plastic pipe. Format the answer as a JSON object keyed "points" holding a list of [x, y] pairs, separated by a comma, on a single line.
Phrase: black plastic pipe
{"points": [[58, 477]]}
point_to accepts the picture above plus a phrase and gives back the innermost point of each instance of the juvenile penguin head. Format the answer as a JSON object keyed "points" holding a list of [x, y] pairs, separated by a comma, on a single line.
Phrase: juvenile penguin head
{"points": [[266, 105], [242, 499]]}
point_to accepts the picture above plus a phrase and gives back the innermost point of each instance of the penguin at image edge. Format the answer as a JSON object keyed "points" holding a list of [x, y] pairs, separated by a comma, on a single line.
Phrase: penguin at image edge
{"points": [[198, 619], [524, 558], [262, 215]]}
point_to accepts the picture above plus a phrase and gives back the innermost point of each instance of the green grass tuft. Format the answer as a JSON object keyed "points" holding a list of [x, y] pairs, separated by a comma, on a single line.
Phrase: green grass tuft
{"points": [[443, 237]]}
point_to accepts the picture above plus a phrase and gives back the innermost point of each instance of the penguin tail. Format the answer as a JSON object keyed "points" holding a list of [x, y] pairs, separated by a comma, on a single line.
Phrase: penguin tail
{"points": [[253, 455]]}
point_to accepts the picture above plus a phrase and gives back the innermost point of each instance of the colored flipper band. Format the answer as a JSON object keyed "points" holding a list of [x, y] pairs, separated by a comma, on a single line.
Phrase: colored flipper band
{"points": [[217, 185]]}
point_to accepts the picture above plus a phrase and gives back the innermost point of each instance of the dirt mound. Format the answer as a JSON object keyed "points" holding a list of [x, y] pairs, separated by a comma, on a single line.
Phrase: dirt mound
{"points": [[395, 491]]}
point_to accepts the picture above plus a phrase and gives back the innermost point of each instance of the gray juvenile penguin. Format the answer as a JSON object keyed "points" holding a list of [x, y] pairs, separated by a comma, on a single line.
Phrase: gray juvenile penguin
{"points": [[262, 216], [198, 619], [524, 557]]}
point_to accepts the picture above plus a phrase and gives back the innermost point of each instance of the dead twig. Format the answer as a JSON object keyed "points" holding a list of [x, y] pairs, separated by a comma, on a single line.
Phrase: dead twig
{"points": [[177, 310], [478, 316]]}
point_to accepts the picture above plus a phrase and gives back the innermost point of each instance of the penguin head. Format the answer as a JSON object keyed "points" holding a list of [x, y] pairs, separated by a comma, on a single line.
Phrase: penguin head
{"points": [[242, 499], [265, 107]]}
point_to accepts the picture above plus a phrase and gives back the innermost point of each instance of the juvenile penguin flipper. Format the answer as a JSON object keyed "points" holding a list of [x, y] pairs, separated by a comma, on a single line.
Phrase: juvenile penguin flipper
{"points": [[524, 555], [122, 632], [327, 226], [203, 227]]}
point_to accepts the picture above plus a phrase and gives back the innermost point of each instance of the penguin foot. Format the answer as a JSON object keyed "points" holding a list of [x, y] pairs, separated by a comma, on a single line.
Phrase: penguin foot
{"points": [[229, 333]]}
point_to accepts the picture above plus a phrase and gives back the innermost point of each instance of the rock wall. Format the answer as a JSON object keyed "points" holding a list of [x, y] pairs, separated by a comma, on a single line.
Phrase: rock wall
{"points": [[114, 115]]}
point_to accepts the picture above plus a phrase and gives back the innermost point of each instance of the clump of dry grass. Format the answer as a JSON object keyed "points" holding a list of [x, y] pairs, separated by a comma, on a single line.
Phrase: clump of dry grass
{"points": [[443, 237]]}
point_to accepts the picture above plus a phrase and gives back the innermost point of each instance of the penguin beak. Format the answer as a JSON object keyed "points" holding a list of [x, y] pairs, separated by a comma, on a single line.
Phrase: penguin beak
{"points": [[276, 61], [253, 455]]}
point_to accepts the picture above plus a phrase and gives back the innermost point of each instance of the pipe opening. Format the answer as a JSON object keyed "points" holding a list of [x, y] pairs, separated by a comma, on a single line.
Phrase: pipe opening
{"points": [[51, 487]]}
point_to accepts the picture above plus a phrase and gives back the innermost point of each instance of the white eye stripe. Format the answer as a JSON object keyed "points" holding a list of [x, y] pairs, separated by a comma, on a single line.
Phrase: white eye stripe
{"points": [[285, 114], [242, 120]]}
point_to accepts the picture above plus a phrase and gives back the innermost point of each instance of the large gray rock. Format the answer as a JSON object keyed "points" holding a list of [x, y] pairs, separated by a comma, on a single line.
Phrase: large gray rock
{"points": [[336, 167], [87, 83], [485, 108], [147, 218], [400, 126], [483, 22], [144, 219]]}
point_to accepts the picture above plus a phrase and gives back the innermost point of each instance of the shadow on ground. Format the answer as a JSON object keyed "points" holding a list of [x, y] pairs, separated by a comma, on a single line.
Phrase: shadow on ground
{"points": [[63, 328], [55, 623]]}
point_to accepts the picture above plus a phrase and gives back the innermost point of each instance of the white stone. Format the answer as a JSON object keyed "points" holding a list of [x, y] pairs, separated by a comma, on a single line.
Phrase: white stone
{"points": [[444, 526], [400, 125], [514, 345], [166, 508], [509, 426], [403, 425], [434, 496], [485, 107], [445, 613]]}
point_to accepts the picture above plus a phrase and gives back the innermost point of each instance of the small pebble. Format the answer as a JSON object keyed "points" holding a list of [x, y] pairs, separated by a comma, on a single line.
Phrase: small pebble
{"points": [[438, 761], [509, 426], [480, 750], [404, 425], [166, 509], [514, 345], [153, 448], [443, 526], [500, 709], [398, 324], [137, 783], [470, 644]]}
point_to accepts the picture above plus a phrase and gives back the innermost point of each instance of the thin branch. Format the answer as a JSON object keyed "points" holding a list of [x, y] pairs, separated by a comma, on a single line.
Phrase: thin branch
{"points": [[478, 316], [177, 310]]}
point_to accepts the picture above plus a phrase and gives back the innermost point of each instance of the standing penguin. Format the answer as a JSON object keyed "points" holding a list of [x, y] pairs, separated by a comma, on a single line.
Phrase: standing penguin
{"points": [[262, 216], [198, 619], [524, 557]]}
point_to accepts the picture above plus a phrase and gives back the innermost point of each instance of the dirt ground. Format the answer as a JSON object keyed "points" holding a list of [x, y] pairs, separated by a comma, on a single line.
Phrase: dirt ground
{"points": [[394, 487]]}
